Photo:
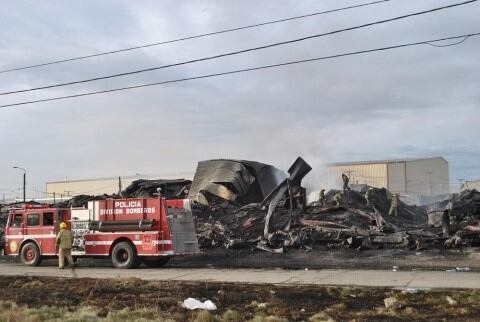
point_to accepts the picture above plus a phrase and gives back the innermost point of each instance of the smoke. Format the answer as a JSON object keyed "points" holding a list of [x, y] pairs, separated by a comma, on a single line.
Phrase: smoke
{"points": [[285, 144]]}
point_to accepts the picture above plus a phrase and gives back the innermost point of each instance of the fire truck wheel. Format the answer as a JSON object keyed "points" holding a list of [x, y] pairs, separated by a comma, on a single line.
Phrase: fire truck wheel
{"points": [[155, 262], [30, 255], [124, 256]]}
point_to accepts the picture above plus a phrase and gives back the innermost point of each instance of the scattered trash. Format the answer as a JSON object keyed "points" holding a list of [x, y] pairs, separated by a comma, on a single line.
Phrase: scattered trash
{"points": [[391, 303], [462, 269], [194, 304], [410, 290], [395, 268], [451, 301], [458, 269]]}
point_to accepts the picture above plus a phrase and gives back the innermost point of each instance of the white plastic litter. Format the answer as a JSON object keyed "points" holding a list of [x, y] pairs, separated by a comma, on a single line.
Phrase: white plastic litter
{"points": [[410, 290], [458, 269], [194, 304], [462, 269]]}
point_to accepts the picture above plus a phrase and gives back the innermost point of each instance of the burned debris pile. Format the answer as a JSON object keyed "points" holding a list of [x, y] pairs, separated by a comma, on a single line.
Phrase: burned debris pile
{"points": [[170, 189], [362, 218], [460, 218]]}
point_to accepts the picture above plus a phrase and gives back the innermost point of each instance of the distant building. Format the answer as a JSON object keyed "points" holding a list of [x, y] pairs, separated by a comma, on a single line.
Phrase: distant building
{"points": [[470, 185], [98, 186], [427, 177]]}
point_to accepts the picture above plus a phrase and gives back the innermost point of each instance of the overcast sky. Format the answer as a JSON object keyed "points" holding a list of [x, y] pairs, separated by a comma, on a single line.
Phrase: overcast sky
{"points": [[411, 102]]}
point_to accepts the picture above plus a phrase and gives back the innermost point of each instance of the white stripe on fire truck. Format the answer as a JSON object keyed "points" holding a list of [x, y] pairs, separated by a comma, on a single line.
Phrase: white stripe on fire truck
{"points": [[29, 236], [135, 242], [162, 242], [160, 253], [98, 243]]}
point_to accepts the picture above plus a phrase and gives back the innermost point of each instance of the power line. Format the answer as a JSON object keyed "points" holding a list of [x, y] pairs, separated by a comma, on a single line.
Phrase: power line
{"points": [[193, 37], [240, 70], [453, 44], [240, 51]]}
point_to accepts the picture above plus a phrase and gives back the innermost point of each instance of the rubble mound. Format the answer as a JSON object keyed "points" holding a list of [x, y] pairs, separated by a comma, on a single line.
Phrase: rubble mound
{"points": [[353, 223], [170, 188], [461, 218]]}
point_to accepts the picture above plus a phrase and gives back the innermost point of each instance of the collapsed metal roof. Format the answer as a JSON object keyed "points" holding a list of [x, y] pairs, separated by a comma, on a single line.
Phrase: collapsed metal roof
{"points": [[235, 181]]}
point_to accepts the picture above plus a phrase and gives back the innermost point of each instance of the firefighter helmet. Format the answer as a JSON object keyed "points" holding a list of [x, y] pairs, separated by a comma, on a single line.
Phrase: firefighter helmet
{"points": [[63, 225]]}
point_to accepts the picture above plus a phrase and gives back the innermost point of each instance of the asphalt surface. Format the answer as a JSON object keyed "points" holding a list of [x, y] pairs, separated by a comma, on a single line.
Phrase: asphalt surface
{"points": [[327, 277]]}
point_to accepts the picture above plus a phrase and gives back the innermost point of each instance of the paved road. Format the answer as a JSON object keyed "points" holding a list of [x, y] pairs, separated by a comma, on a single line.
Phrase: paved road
{"points": [[340, 277]]}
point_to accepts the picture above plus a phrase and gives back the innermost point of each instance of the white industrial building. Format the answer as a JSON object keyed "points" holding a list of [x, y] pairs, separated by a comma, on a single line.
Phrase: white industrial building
{"points": [[422, 177]]}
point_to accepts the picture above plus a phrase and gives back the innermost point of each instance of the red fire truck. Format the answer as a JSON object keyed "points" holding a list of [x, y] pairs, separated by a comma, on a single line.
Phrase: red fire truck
{"points": [[129, 231]]}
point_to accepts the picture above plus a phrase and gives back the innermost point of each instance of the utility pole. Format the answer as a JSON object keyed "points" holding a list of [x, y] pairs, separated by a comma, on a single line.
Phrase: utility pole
{"points": [[24, 181], [461, 182], [119, 185]]}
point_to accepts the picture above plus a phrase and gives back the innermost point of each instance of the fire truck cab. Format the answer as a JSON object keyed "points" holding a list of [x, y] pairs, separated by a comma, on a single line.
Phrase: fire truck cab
{"points": [[129, 231]]}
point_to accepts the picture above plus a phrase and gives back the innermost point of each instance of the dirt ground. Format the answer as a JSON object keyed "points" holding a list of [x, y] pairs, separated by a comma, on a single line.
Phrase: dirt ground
{"points": [[295, 303]]}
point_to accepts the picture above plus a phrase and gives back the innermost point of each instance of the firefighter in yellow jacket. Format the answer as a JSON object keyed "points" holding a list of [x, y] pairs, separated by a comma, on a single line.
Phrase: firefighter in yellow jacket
{"points": [[64, 243], [393, 205]]}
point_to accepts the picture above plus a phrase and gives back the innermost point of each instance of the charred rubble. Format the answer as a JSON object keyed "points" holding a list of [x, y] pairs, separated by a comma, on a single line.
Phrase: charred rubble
{"points": [[283, 219], [169, 188], [459, 217], [223, 182]]}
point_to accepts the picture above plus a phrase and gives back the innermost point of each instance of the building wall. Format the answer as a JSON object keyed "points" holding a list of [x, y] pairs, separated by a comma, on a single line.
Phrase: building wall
{"points": [[87, 187], [427, 177], [396, 177], [371, 174], [470, 185]]}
